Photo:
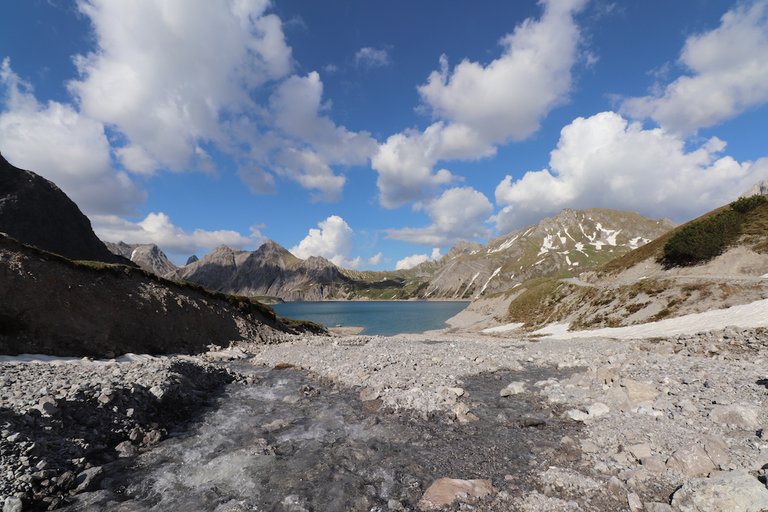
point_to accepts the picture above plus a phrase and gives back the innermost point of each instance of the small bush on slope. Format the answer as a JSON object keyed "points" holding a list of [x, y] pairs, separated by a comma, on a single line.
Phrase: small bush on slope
{"points": [[701, 241]]}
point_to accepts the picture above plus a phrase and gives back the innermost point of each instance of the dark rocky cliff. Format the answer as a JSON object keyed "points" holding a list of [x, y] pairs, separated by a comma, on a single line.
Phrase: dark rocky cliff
{"points": [[36, 212]]}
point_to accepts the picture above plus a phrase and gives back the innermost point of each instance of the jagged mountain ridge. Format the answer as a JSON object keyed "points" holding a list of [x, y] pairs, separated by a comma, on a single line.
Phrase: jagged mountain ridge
{"points": [[270, 270], [564, 245], [147, 256], [573, 241]]}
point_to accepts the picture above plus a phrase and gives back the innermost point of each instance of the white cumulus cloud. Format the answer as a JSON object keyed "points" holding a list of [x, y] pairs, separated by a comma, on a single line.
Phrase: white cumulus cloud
{"points": [[65, 147], [607, 161], [481, 106], [332, 241], [728, 74], [458, 214], [314, 142], [417, 259], [157, 228], [165, 73]]}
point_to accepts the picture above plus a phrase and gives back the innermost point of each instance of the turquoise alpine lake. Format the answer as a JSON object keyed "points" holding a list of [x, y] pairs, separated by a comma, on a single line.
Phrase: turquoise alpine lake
{"points": [[385, 318]]}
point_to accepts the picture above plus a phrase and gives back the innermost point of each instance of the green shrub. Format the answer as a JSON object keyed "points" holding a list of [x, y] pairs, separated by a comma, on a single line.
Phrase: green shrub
{"points": [[703, 240], [747, 204]]}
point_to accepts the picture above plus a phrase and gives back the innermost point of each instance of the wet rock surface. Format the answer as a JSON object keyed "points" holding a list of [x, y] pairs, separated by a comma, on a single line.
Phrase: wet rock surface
{"points": [[289, 442], [62, 421]]}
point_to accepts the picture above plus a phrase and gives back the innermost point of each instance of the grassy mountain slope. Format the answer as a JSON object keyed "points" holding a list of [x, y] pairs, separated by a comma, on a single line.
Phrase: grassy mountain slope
{"points": [[646, 284]]}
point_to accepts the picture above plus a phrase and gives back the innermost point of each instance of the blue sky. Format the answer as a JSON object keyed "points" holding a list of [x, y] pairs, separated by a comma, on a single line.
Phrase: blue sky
{"points": [[377, 134]]}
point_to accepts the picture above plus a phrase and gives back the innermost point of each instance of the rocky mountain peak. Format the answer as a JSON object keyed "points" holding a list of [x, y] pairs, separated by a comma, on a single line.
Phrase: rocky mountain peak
{"points": [[192, 259], [758, 189], [567, 243], [147, 256]]}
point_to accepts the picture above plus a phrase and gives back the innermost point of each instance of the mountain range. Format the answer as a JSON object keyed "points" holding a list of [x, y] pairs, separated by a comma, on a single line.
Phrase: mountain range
{"points": [[562, 246]]}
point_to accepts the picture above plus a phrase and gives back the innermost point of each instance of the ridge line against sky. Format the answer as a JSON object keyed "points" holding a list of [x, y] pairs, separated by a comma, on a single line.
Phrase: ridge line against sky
{"points": [[379, 134]]}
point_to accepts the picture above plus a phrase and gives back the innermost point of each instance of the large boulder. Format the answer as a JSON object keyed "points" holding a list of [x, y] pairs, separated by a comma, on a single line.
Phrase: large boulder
{"points": [[735, 491]]}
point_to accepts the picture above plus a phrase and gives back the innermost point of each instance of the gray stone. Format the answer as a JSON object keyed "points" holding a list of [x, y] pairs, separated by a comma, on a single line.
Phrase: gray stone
{"points": [[126, 449], [47, 406], [634, 502], [513, 388], [367, 394], [576, 415], [735, 415], [598, 409], [691, 461], [12, 504], [655, 464], [717, 450], [655, 506], [638, 392], [640, 451], [735, 491], [87, 479]]}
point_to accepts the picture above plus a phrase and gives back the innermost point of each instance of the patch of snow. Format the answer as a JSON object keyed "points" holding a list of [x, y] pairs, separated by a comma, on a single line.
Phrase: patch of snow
{"points": [[495, 273], [546, 245], [561, 237], [133, 253], [527, 232], [754, 314], [503, 328], [580, 248], [764, 276], [568, 260], [469, 284], [637, 242], [568, 234], [43, 358], [598, 245], [506, 245], [610, 236], [539, 261]]}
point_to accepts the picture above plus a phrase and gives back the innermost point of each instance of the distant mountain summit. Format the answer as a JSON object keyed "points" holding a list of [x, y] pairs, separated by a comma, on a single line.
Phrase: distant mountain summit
{"points": [[563, 245], [147, 256], [270, 270], [36, 212], [192, 259]]}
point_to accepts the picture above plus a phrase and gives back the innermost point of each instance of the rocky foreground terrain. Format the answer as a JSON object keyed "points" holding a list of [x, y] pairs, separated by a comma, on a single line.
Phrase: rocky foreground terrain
{"points": [[655, 424], [61, 421]]}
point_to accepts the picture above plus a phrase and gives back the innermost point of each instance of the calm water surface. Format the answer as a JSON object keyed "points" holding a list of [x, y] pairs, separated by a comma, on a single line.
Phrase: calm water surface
{"points": [[384, 318]]}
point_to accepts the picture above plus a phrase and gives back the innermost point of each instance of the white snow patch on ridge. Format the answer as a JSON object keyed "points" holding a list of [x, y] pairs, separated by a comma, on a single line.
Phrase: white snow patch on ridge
{"points": [[469, 284], [754, 314], [503, 328], [546, 245], [505, 245], [495, 272]]}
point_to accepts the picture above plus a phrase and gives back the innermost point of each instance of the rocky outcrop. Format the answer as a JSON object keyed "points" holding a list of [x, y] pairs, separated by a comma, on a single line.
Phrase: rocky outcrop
{"points": [[192, 259], [61, 307], [147, 256], [36, 212], [268, 271], [760, 188]]}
